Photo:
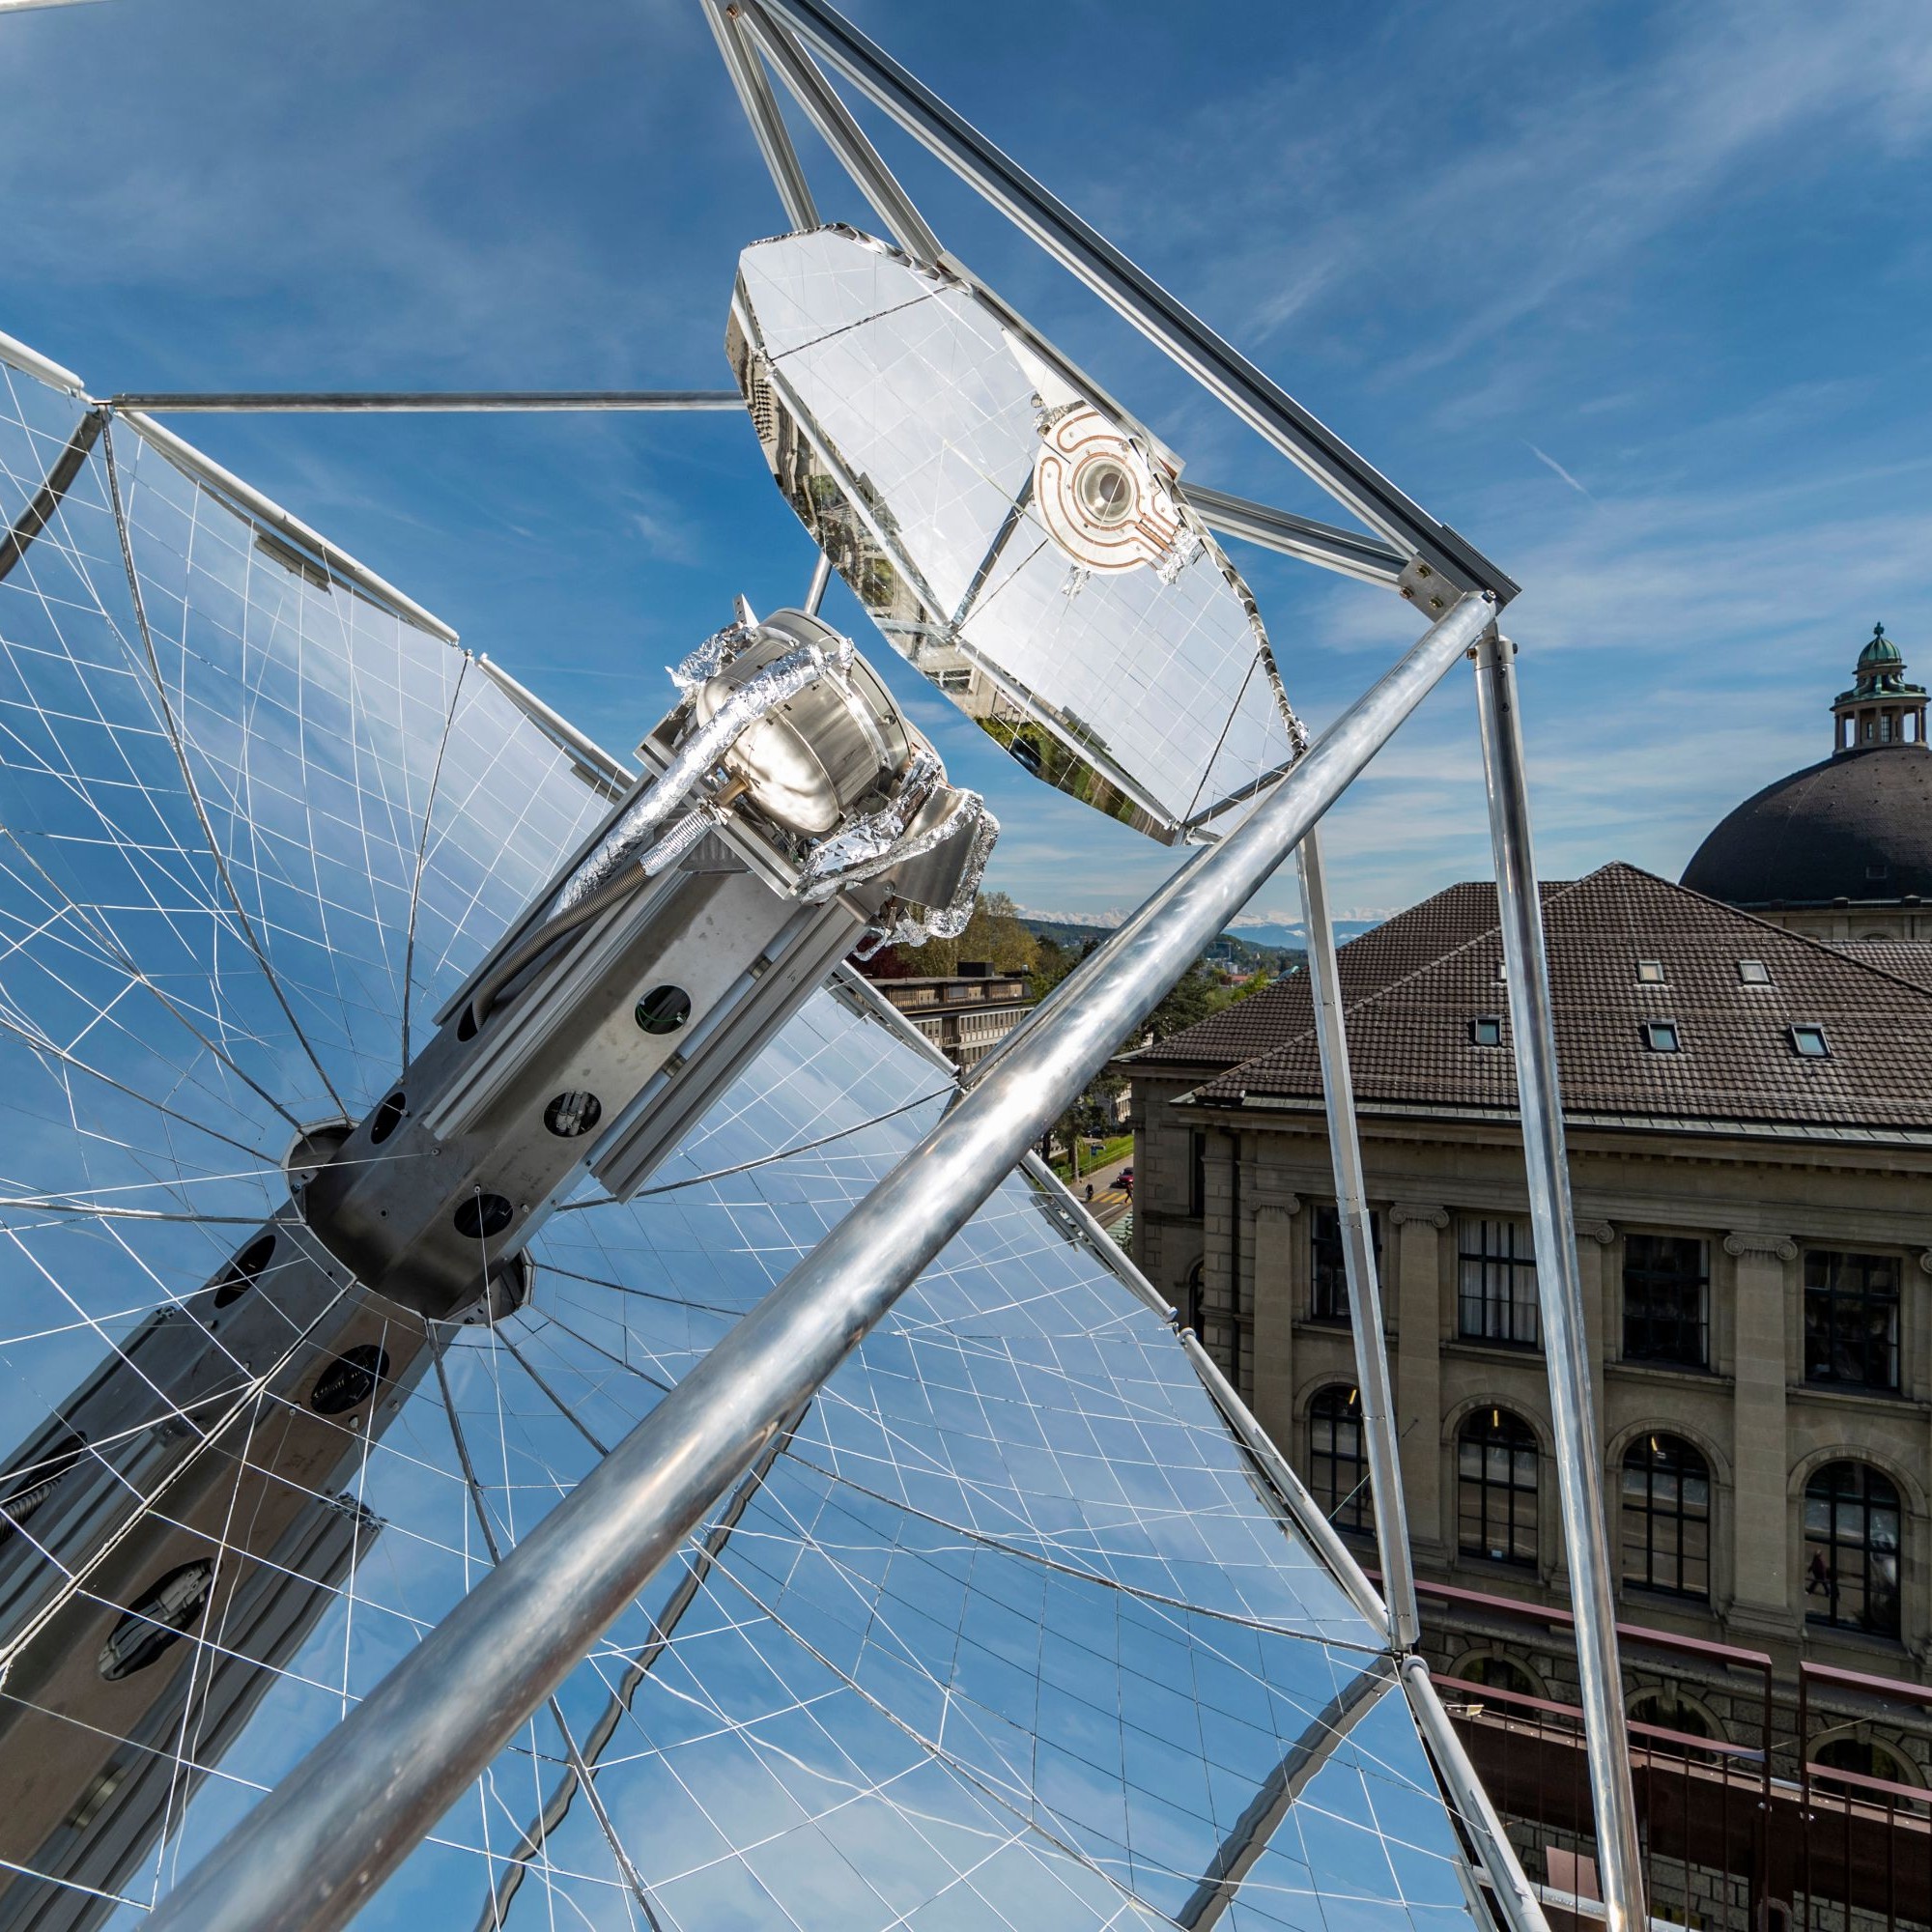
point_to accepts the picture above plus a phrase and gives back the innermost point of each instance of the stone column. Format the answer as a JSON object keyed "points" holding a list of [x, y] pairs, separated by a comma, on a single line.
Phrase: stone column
{"points": [[1274, 1322], [1593, 1246], [1760, 1447], [1416, 1290]]}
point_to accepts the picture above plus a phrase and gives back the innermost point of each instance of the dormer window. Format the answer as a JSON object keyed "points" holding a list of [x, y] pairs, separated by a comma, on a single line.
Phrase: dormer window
{"points": [[1660, 1036], [1808, 1042], [1486, 1030], [1650, 972], [1753, 972]]}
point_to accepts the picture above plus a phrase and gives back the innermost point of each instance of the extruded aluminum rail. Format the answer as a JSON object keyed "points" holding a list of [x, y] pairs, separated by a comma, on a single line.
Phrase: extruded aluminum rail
{"points": [[313, 1851], [1358, 1255], [1566, 1348]]}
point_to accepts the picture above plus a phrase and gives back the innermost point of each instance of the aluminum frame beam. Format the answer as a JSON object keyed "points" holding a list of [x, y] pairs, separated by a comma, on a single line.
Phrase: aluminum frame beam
{"points": [[310, 1854], [1566, 1346], [1214, 362], [761, 110], [1358, 1255], [420, 402], [842, 134], [1349, 552]]}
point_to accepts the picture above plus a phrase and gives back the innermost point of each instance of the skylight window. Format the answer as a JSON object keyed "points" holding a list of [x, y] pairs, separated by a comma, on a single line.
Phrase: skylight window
{"points": [[1753, 972], [1650, 972], [1486, 1030], [1660, 1036], [1808, 1042]]}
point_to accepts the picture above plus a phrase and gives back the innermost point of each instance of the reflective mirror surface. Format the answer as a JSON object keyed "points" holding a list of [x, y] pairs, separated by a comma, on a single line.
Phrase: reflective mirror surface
{"points": [[1008, 1633], [1023, 549]]}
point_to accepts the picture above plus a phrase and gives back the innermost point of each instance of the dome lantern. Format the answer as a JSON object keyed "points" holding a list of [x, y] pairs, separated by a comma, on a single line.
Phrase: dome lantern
{"points": [[1880, 708]]}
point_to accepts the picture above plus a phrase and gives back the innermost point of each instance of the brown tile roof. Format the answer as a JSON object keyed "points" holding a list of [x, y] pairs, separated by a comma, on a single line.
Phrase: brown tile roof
{"points": [[1369, 962], [1410, 1037], [1903, 958]]}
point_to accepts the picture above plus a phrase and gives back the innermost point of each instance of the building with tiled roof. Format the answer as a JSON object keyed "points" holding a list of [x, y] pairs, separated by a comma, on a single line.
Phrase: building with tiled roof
{"points": [[1750, 1116]]}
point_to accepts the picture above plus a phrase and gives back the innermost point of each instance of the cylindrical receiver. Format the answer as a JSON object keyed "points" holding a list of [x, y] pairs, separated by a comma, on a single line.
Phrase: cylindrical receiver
{"points": [[312, 1852]]}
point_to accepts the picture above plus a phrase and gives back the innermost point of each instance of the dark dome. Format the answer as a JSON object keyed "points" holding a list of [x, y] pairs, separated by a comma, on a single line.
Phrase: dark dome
{"points": [[1859, 826]]}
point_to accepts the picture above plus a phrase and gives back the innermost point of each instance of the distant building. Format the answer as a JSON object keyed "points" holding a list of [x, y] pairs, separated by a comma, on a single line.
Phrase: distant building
{"points": [[1750, 1135], [966, 1014], [1843, 848]]}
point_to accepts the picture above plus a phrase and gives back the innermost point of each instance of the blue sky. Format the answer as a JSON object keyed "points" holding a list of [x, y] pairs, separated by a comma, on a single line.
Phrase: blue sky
{"points": [[1635, 297]]}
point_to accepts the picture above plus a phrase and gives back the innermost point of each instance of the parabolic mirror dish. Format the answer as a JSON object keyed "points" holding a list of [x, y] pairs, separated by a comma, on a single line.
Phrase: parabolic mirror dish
{"points": [[1009, 1632], [1019, 543]]}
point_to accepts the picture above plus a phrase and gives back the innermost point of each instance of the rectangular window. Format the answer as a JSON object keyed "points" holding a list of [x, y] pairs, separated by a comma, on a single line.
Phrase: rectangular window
{"points": [[1329, 1296], [1197, 1172], [1754, 972], [1650, 972], [1495, 1298], [1808, 1042], [1851, 1320], [1660, 1036], [1667, 1300], [1486, 1031]]}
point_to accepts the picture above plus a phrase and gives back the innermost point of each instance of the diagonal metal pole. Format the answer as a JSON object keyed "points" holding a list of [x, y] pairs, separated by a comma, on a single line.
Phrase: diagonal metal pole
{"points": [[1579, 1474], [313, 1851], [842, 134], [1358, 1255], [761, 110]]}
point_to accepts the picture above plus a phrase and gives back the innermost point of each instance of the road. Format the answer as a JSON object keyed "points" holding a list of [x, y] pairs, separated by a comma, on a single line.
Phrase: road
{"points": [[1108, 1204]]}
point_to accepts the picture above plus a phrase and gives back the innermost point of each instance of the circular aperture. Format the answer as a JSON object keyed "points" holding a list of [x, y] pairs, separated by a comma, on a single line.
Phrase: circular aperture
{"points": [[349, 1380], [664, 1009], [243, 1271], [155, 1620], [483, 1215], [572, 1114], [388, 1117], [1106, 490]]}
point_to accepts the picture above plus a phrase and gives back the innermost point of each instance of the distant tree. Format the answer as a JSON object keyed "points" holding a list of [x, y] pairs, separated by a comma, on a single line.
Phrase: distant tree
{"points": [[995, 935]]}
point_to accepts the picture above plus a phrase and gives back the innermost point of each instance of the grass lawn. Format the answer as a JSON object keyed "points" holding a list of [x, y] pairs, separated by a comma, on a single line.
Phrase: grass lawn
{"points": [[1117, 1149]]}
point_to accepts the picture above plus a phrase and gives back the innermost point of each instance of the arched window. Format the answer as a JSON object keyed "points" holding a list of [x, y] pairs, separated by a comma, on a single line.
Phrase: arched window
{"points": [[1338, 1470], [1495, 1487], [1669, 1712], [1667, 1517], [1865, 1757], [1852, 1522], [1499, 1673]]}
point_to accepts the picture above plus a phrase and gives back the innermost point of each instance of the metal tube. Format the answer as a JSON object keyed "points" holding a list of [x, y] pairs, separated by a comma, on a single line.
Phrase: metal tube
{"points": [[761, 110], [1349, 552], [1578, 1456], [396, 402], [821, 577], [842, 134], [1359, 1254], [314, 1850], [1521, 1909], [41, 369]]}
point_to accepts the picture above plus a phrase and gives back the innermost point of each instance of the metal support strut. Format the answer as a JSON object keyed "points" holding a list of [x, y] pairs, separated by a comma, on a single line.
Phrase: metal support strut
{"points": [[1359, 1254], [1579, 1476], [310, 1854]]}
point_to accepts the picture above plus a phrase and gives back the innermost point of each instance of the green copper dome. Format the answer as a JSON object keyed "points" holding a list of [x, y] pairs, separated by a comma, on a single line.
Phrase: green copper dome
{"points": [[1880, 655]]}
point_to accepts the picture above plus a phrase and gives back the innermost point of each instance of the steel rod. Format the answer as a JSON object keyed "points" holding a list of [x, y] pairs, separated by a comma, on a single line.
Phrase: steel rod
{"points": [[1220, 368], [1566, 1350], [41, 369], [312, 1852], [1521, 1909], [1358, 1255], [1349, 552], [761, 110], [842, 134], [821, 576], [400, 402]]}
